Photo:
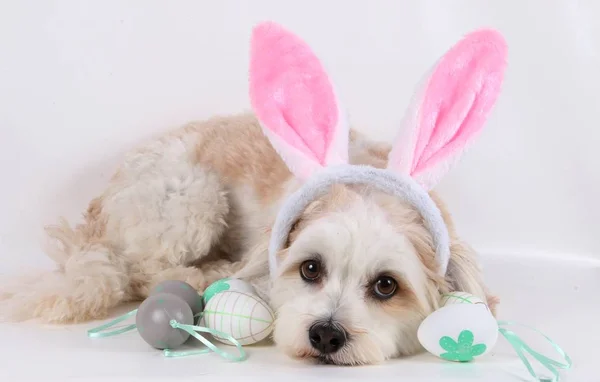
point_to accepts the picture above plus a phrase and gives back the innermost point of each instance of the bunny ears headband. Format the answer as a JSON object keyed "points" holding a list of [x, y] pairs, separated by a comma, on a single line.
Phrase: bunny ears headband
{"points": [[296, 104]]}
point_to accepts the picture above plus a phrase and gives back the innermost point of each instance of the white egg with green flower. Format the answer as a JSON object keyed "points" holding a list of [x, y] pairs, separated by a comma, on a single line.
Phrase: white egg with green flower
{"points": [[461, 330]]}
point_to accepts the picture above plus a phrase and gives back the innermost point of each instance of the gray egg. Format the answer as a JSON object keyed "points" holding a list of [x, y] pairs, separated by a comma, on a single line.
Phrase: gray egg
{"points": [[153, 320], [181, 289]]}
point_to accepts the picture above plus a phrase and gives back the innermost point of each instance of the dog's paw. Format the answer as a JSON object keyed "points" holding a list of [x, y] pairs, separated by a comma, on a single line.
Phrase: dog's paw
{"points": [[49, 307], [52, 298], [10, 286]]}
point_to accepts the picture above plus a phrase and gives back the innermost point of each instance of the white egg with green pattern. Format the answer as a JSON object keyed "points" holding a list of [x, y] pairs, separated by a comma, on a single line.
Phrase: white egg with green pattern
{"points": [[227, 284], [461, 330], [243, 316]]}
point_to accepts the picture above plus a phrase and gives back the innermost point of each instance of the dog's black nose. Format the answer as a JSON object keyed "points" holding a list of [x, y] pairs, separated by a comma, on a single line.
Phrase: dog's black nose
{"points": [[326, 338]]}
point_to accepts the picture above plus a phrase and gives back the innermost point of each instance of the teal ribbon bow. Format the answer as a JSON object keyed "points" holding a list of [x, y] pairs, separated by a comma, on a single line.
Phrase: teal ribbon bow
{"points": [[101, 332], [521, 348]]}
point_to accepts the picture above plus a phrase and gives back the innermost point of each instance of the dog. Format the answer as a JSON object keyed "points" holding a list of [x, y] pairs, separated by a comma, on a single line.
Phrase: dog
{"points": [[198, 204]]}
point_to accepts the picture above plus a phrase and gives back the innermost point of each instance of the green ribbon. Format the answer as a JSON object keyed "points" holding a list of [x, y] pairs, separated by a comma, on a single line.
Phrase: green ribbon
{"points": [[100, 332], [193, 329], [521, 347]]}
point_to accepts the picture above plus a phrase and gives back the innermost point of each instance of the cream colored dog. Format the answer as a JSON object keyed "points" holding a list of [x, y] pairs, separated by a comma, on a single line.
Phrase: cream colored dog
{"points": [[198, 205]]}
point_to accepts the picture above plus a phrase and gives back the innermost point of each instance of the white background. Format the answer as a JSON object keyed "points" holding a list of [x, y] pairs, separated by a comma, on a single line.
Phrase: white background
{"points": [[83, 81]]}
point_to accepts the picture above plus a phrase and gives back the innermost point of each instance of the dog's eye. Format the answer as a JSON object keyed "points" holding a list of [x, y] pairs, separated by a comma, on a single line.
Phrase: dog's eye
{"points": [[384, 287], [310, 270]]}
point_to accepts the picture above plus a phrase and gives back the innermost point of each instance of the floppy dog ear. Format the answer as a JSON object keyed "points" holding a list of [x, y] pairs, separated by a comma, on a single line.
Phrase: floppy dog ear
{"points": [[464, 272], [295, 101], [450, 107], [465, 275]]}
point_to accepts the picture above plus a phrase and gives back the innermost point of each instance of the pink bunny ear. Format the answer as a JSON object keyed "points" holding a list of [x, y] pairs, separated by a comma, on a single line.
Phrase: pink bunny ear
{"points": [[295, 102], [451, 107]]}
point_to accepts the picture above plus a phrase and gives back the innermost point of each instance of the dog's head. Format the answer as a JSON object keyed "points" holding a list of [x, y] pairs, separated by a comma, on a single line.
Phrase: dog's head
{"points": [[355, 280], [360, 268]]}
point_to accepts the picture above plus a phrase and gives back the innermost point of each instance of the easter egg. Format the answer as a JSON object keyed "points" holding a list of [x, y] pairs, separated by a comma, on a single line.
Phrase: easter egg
{"points": [[243, 316], [227, 284], [459, 298], [459, 332], [180, 289], [154, 316]]}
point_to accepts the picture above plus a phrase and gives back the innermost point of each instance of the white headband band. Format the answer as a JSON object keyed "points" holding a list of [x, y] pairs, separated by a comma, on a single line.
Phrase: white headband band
{"points": [[319, 184]]}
